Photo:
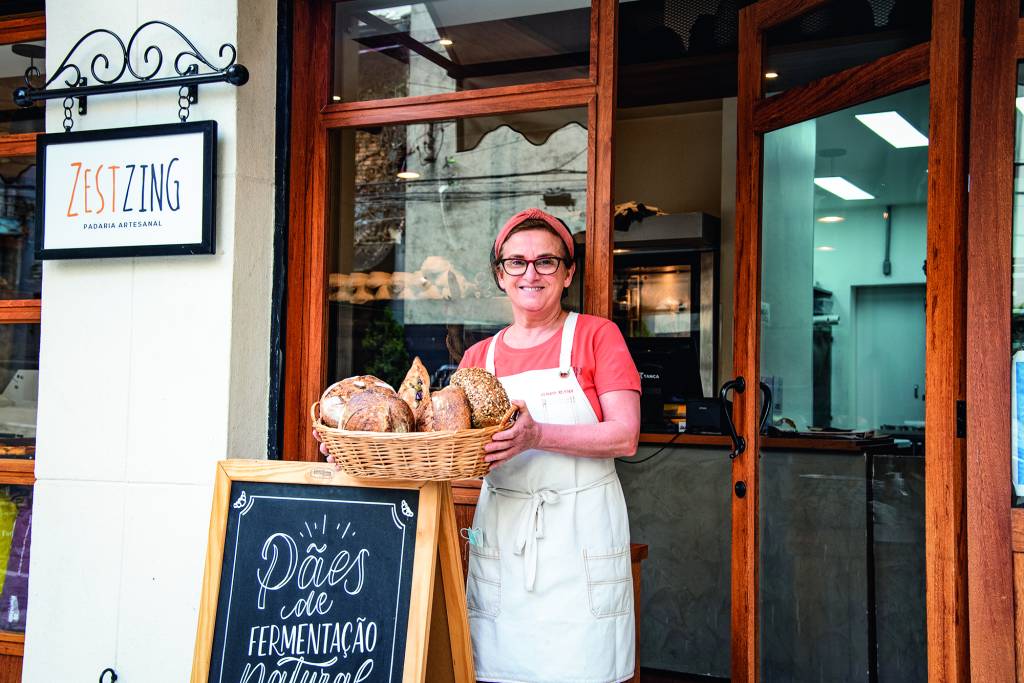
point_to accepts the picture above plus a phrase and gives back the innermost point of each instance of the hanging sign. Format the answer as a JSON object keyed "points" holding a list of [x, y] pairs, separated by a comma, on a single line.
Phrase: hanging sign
{"points": [[145, 191], [314, 576]]}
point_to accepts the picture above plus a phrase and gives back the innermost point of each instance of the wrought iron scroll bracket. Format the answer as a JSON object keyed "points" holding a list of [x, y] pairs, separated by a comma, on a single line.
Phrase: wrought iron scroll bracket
{"points": [[116, 73]]}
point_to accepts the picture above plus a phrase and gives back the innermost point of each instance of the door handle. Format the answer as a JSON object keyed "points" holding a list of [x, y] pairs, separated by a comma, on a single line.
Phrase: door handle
{"points": [[766, 408], [739, 444]]}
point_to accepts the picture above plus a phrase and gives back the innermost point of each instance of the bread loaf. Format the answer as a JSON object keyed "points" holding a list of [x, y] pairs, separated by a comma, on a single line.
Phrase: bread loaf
{"points": [[334, 398], [377, 411], [415, 389], [449, 411], [488, 401]]}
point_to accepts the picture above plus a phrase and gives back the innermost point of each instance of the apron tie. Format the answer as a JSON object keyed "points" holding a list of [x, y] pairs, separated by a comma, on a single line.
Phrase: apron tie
{"points": [[531, 523], [531, 528]]}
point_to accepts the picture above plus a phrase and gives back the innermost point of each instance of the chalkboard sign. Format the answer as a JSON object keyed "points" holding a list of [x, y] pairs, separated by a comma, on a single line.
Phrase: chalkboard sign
{"points": [[314, 580], [313, 576]]}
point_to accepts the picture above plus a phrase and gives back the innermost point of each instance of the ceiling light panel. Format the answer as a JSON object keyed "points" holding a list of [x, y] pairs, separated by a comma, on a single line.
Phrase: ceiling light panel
{"points": [[842, 188], [894, 129]]}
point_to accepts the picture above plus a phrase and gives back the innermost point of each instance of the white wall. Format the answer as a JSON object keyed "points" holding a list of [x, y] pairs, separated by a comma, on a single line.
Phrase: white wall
{"points": [[151, 370]]}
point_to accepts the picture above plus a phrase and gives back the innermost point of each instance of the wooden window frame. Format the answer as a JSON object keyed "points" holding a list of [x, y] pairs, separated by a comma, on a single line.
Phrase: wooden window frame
{"points": [[314, 115], [995, 532], [942, 63]]}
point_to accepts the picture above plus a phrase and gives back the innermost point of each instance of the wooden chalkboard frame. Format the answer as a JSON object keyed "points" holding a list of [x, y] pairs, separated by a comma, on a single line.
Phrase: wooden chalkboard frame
{"points": [[437, 642]]}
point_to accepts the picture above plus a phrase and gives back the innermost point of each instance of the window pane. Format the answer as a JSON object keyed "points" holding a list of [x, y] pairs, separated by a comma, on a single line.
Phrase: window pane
{"points": [[19, 381], [415, 212], [1017, 298], [15, 539], [14, 61], [677, 50], [839, 35], [386, 50], [20, 273], [844, 234]]}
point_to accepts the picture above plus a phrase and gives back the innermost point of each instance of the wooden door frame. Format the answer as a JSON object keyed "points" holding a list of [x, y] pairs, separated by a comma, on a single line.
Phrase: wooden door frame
{"points": [[942, 63], [314, 115], [998, 46]]}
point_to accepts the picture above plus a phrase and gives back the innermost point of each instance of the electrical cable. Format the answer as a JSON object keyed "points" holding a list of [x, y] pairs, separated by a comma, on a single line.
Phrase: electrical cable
{"points": [[628, 461]]}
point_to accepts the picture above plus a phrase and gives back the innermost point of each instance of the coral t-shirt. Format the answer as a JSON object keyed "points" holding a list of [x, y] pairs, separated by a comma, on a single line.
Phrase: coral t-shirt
{"points": [[599, 358]]}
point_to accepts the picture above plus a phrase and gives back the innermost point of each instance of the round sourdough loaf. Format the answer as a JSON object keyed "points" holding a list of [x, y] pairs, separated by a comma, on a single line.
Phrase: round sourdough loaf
{"points": [[449, 411], [377, 411], [334, 398]]}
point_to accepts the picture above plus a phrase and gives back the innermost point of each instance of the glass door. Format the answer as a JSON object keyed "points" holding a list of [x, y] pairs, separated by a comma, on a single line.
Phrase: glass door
{"points": [[842, 274]]}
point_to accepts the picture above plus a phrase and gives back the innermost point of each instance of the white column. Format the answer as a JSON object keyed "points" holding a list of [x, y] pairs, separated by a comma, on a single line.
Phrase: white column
{"points": [[151, 369]]}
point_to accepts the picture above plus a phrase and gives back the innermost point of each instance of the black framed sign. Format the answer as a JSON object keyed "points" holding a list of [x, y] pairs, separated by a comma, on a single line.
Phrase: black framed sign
{"points": [[143, 191]]}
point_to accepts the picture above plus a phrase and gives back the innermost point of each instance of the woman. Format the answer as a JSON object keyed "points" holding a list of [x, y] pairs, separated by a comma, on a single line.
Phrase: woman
{"points": [[550, 591]]}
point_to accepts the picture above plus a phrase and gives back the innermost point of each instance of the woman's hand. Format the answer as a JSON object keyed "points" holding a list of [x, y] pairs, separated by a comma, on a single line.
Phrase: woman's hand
{"points": [[523, 435], [323, 447]]}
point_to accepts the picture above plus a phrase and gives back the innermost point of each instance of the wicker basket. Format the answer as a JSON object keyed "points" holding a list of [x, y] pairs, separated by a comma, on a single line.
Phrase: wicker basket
{"points": [[424, 456]]}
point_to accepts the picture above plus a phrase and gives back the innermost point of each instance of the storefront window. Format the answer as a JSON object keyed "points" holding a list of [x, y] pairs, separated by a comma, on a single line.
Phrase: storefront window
{"points": [[15, 539], [19, 381], [14, 61], [839, 35], [415, 212], [386, 50], [20, 273]]}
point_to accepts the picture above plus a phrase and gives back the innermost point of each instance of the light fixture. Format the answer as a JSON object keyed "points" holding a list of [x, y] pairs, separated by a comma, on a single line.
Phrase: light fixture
{"points": [[842, 188], [336, 98], [771, 74], [408, 175], [824, 247], [894, 129], [831, 219], [446, 42]]}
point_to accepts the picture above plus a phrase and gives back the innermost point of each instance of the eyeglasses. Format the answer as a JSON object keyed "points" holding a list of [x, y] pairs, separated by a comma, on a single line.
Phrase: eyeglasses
{"points": [[545, 265]]}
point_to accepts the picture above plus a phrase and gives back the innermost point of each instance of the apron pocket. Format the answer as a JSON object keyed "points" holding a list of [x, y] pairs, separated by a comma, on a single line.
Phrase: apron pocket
{"points": [[609, 581], [483, 585]]}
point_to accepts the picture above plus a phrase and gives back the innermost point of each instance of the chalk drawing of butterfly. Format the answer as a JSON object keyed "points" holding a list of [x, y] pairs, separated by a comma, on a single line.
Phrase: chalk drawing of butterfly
{"points": [[240, 503], [406, 510]]}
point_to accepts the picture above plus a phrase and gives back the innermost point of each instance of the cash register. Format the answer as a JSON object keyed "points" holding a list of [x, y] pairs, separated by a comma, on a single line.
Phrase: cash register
{"points": [[669, 376]]}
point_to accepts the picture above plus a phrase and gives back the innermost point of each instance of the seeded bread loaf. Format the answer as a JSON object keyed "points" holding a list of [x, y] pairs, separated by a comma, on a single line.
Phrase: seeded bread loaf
{"points": [[488, 401]]}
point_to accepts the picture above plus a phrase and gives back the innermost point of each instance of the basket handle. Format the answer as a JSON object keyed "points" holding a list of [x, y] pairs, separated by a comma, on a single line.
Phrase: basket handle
{"points": [[314, 412], [508, 419]]}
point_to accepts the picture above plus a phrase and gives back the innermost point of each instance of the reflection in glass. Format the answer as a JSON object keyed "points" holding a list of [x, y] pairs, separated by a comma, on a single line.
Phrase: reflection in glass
{"points": [[843, 347], [14, 61], [415, 212], [20, 273], [841, 34], [15, 539], [19, 380], [842, 305], [386, 50]]}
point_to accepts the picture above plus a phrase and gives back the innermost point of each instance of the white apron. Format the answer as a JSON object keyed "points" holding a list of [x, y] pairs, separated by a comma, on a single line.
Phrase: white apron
{"points": [[550, 591]]}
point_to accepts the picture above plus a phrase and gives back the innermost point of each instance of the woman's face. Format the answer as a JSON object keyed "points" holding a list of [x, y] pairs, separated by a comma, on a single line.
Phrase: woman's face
{"points": [[531, 291]]}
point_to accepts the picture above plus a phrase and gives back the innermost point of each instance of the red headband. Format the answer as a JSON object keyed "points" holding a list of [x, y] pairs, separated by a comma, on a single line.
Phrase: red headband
{"points": [[556, 225]]}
